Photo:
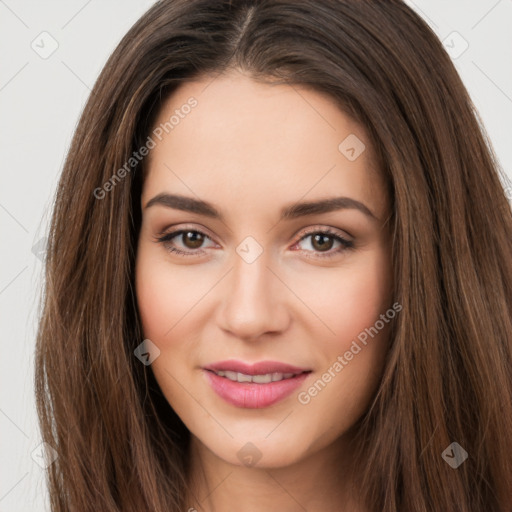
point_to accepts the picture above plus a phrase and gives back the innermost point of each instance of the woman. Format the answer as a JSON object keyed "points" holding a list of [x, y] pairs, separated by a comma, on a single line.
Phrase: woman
{"points": [[279, 272]]}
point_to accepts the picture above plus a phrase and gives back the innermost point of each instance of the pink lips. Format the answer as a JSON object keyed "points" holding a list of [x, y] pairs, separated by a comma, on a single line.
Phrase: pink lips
{"points": [[253, 395]]}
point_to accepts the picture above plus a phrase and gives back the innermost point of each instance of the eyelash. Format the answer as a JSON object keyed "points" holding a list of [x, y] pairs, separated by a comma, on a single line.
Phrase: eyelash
{"points": [[345, 244]]}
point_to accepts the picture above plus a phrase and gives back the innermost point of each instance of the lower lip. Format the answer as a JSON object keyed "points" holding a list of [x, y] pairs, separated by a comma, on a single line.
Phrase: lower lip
{"points": [[250, 395]]}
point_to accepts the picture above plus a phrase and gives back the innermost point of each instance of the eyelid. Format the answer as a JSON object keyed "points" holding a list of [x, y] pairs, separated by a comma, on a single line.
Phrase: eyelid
{"points": [[324, 228], [347, 243], [170, 232], [173, 228], [306, 231]]}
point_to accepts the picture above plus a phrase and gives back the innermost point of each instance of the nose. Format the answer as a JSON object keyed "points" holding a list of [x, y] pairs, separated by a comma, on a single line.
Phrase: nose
{"points": [[253, 302]]}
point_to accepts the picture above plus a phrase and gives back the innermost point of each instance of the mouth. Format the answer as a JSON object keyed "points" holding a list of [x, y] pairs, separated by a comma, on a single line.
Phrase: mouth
{"points": [[254, 386], [264, 378]]}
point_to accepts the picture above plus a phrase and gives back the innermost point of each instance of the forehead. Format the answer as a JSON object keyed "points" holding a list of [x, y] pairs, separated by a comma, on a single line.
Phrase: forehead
{"points": [[255, 142]]}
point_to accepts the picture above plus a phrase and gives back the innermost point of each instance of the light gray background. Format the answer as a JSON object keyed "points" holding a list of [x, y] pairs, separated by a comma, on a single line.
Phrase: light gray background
{"points": [[40, 102]]}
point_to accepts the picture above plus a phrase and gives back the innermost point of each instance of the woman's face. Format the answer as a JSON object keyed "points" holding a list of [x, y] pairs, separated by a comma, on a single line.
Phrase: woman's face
{"points": [[263, 277]]}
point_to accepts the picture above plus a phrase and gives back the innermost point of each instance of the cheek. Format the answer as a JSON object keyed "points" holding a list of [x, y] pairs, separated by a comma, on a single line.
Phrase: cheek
{"points": [[365, 295], [352, 358], [172, 312], [154, 296], [164, 296], [347, 300]]}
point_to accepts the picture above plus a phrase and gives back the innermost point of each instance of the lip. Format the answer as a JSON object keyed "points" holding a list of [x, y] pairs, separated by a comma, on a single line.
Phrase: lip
{"points": [[250, 395], [259, 368]]}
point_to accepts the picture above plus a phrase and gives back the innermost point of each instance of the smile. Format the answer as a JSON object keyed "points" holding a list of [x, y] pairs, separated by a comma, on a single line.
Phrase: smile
{"points": [[258, 379], [254, 386]]}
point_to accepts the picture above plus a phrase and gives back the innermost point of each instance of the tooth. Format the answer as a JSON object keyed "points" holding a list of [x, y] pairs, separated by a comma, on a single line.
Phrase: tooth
{"points": [[258, 379], [262, 379]]}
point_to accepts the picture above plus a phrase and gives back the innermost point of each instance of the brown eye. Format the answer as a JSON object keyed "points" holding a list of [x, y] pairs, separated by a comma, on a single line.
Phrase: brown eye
{"points": [[192, 239], [324, 243], [185, 242]]}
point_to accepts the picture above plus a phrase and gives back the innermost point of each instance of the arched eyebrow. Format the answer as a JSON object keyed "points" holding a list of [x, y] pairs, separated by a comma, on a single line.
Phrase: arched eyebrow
{"points": [[293, 211]]}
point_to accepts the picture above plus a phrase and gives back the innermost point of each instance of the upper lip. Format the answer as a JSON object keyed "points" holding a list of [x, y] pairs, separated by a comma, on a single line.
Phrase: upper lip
{"points": [[259, 368]]}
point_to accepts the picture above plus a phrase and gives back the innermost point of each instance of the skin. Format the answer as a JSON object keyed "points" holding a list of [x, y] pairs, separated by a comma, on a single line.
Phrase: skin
{"points": [[250, 149]]}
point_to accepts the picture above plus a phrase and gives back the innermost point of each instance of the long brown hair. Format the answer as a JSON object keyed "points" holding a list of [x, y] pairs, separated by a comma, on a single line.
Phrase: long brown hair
{"points": [[448, 374]]}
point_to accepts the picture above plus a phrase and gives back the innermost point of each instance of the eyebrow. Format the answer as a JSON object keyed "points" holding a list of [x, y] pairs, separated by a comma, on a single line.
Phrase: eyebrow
{"points": [[293, 211]]}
